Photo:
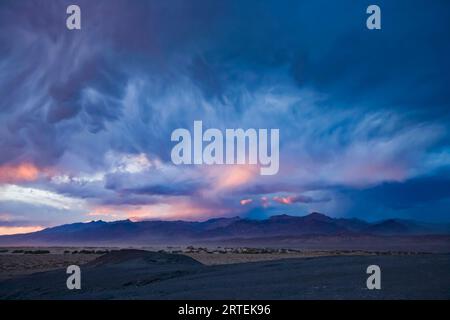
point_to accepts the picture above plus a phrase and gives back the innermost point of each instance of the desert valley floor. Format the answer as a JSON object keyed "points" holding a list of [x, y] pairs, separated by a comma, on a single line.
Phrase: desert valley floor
{"points": [[232, 274]]}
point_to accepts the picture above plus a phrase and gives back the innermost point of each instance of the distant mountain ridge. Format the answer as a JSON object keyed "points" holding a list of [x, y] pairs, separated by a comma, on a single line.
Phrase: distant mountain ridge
{"points": [[167, 232]]}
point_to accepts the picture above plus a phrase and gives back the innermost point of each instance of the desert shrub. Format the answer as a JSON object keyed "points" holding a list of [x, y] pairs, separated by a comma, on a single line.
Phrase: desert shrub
{"points": [[3, 250], [87, 251], [74, 252], [36, 252], [17, 251], [101, 251]]}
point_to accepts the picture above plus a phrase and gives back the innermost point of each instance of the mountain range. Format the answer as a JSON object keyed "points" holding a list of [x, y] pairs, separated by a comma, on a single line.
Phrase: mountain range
{"points": [[220, 229]]}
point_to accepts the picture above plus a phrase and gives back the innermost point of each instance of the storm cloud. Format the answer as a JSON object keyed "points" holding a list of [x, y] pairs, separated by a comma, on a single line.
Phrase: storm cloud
{"points": [[86, 115]]}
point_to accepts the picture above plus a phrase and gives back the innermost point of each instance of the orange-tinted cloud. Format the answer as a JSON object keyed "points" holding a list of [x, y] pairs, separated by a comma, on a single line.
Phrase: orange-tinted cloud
{"points": [[233, 176], [7, 230], [18, 173]]}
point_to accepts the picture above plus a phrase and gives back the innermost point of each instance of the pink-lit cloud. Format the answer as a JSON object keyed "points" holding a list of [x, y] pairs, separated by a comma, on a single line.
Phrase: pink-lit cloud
{"points": [[232, 177], [299, 198], [244, 202], [170, 209], [265, 201], [284, 200], [18, 173]]}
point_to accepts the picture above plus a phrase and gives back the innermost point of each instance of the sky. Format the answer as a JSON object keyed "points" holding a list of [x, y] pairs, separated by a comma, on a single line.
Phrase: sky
{"points": [[86, 115]]}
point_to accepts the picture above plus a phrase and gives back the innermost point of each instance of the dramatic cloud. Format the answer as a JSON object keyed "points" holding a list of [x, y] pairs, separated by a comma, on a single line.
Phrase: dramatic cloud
{"points": [[86, 116]]}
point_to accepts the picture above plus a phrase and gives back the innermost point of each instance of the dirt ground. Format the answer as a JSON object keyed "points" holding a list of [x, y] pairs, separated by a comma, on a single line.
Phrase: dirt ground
{"points": [[139, 274], [231, 258], [12, 265], [16, 264]]}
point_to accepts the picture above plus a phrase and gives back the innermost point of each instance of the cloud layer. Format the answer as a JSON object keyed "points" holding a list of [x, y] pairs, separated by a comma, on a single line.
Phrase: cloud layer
{"points": [[86, 116]]}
